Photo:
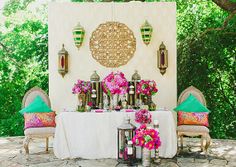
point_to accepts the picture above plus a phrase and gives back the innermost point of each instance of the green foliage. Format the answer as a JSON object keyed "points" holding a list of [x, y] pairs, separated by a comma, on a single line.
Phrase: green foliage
{"points": [[12, 6], [23, 65], [206, 60]]}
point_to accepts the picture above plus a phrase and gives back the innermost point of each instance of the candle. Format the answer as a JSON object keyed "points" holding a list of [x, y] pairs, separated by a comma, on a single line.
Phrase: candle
{"points": [[130, 148], [156, 122]]}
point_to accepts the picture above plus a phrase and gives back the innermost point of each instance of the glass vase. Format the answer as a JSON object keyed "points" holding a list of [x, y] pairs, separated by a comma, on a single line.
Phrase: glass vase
{"points": [[82, 99], [146, 157]]}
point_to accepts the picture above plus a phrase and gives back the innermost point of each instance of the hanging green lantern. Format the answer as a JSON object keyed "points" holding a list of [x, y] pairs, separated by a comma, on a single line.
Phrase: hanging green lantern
{"points": [[146, 32], [78, 34]]}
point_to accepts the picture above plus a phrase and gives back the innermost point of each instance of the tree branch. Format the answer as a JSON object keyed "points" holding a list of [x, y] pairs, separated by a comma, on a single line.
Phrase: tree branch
{"points": [[9, 52], [225, 23], [226, 5]]}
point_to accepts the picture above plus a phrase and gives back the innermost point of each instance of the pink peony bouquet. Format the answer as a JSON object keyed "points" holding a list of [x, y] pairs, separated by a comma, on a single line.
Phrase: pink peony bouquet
{"points": [[82, 87], [145, 137], [143, 116], [115, 83], [147, 87]]}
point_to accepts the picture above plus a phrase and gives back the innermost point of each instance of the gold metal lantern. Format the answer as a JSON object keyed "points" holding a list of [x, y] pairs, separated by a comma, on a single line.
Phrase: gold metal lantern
{"points": [[97, 93], [78, 35], [146, 32], [136, 79], [162, 58], [63, 61]]}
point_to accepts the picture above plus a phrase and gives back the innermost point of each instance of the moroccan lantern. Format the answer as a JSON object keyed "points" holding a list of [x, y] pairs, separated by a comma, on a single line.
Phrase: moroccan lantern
{"points": [[126, 153], [78, 35], [135, 80], [162, 58], [63, 61], [97, 93], [146, 32]]}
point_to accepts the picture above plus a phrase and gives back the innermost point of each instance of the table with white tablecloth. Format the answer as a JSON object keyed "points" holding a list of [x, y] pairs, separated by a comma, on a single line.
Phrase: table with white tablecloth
{"points": [[94, 135]]}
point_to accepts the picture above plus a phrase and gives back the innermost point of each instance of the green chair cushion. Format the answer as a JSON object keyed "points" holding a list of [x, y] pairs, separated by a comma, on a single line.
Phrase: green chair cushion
{"points": [[37, 105], [191, 104]]}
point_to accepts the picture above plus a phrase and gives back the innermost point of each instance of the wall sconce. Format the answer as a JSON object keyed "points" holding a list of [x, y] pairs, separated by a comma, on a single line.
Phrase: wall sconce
{"points": [[162, 58], [146, 32], [78, 35], [63, 61]]}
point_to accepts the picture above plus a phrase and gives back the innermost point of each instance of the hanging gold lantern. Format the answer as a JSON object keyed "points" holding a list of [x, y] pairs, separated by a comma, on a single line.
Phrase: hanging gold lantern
{"points": [[146, 32], [63, 61], [78, 35], [162, 58]]}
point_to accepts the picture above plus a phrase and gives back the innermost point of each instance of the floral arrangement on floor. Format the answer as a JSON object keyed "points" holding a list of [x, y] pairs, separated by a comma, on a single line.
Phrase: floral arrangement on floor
{"points": [[147, 138], [143, 116], [82, 87], [115, 83], [147, 88]]}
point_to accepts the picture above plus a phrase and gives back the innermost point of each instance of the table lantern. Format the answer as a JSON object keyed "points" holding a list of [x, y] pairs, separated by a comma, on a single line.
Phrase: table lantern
{"points": [[131, 94], [126, 150], [78, 35], [162, 58], [146, 32], [63, 61], [97, 90], [136, 79]]}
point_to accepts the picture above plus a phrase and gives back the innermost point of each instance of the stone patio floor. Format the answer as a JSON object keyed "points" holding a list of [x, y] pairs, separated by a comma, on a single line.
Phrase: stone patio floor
{"points": [[222, 153]]}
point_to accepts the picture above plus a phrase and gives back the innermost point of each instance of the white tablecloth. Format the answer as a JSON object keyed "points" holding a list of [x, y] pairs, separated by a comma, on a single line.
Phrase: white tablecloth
{"points": [[94, 135]]}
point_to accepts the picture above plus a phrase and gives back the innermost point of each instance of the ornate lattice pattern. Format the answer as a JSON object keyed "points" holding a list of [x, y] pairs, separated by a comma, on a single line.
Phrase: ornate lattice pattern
{"points": [[112, 44]]}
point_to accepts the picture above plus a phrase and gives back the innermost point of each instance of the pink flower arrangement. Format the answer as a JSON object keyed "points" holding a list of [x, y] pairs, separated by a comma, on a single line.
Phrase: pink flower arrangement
{"points": [[143, 116], [82, 87], [115, 83], [148, 138], [147, 87]]}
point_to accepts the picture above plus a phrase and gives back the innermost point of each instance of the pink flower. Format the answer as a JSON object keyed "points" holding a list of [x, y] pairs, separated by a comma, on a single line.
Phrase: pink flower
{"points": [[150, 145], [115, 83], [81, 87], [146, 87], [143, 116], [90, 104], [148, 138]]}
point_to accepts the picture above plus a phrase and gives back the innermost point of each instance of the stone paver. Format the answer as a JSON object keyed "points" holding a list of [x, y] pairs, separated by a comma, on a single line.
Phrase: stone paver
{"points": [[222, 153]]}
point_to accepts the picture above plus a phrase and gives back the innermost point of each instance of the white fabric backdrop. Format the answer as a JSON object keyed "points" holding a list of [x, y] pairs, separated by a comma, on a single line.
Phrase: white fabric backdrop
{"points": [[94, 135]]}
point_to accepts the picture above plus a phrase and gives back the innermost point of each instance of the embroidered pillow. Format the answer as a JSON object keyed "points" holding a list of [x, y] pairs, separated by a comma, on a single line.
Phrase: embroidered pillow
{"points": [[33, 120], [193, 118], [191, 104]]}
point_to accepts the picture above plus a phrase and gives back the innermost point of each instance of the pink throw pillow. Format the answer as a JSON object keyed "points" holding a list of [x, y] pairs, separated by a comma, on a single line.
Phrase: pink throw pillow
{"points": [[193, 118], [33, 120]]}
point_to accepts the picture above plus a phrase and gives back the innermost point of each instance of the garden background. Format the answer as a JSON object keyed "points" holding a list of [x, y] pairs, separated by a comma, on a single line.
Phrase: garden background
{"points": [[206, 54]]}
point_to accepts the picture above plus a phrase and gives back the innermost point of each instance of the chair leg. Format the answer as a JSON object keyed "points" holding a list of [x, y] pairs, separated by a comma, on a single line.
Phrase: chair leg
{"points": [[202, 140], [181, 142], [208, 142], [26, 144], [47, 140]]}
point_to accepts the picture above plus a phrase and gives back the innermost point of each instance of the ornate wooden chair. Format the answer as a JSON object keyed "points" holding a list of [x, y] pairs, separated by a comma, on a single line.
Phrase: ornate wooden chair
{"points": [[44, 132], [193, 130]]}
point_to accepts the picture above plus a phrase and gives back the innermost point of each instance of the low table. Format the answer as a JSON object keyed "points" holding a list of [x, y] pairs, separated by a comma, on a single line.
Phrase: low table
{"points": [[94, 135]]}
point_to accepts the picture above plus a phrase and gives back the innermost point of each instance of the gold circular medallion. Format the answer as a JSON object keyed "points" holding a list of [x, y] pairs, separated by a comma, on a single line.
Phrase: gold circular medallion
{"points": [[112, 44]]}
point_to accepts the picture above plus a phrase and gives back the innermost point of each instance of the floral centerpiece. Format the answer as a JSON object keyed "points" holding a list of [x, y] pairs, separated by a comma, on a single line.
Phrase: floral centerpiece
{"points": [[147, 88], [143, 116], [114, 84], [146, 137], [82, 88]]}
